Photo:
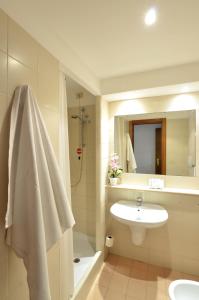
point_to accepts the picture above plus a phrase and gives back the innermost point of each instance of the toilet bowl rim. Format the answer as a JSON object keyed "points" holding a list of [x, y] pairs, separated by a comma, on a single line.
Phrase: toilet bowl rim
{"points": [[177, 282]]}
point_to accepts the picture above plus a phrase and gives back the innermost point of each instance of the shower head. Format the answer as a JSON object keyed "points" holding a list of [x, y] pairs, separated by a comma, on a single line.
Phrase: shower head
{"points": [[76, 117], [83, 118]]}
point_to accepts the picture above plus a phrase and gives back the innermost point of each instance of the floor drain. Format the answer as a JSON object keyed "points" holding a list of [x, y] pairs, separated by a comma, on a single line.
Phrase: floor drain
{"points": [[76, 260]]}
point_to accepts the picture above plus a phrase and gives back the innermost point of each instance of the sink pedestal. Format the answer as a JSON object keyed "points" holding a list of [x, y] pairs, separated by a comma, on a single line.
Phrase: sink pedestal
{"points": [[138, 234]]}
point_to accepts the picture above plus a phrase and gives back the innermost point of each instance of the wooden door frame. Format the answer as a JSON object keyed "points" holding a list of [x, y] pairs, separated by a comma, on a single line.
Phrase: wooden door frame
{"points": [[161, 121]]}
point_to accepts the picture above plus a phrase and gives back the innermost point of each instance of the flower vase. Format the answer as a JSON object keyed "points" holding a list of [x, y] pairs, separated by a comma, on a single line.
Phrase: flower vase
{"points": [[113, 180]]}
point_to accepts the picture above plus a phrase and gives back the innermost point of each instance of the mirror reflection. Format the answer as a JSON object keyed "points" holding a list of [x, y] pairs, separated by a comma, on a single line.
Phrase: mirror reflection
{"points": [[158, 143]]}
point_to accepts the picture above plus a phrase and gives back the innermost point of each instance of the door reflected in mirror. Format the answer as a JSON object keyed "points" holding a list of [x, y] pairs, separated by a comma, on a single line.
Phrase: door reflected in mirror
{"points": [[158, 143]]}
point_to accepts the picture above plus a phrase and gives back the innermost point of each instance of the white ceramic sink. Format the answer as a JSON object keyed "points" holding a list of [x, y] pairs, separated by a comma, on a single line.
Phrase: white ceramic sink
{"points": [[139, 218], [147, 215]]}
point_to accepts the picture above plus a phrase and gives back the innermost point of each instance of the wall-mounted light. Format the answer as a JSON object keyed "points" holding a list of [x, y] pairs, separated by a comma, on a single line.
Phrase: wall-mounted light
{"points": [[185, 89], [150, 16]]}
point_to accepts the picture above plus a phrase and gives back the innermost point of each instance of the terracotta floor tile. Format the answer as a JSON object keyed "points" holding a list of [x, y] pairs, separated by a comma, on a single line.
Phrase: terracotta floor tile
{"points": [[190, 277], [139, 265], [132, 298], [112, 259], [155, 272], [125, 261], [110, 263], [139, 270], [119, 283], [136, 288], [125, 279], [174, 275], [97, 293], [109, 267], [156, 294], [114, 295], [123, 267], [103, 279]]}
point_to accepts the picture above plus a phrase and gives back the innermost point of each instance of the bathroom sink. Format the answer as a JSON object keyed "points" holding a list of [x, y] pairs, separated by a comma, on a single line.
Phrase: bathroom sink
{"points": [[139, 218], [147, 215]]}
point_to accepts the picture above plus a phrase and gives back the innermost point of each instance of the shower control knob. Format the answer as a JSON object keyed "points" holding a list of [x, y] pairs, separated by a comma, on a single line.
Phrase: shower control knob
{"points": [[79, 151]]}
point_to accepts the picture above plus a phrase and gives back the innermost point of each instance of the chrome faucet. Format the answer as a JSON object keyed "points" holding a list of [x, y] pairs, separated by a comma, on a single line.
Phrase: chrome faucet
{"points": [[139, 201]]}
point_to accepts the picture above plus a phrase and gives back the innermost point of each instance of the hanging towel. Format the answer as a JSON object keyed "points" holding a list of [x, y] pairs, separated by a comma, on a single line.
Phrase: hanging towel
{"points": [[38, 210], [130, 157]]}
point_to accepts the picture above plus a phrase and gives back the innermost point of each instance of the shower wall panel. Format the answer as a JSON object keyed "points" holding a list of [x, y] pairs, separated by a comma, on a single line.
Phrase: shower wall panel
{"points": [[84, 193]]}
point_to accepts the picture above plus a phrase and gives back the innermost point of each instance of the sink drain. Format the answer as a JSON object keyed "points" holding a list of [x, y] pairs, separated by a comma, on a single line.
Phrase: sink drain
{"points": [[76, 260]]}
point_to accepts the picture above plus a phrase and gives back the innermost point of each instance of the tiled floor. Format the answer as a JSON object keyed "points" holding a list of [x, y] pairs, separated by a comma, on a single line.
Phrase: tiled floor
{"points": [[125, 279]]}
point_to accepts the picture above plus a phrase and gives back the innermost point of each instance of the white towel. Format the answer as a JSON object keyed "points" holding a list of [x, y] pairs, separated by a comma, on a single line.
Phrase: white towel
{"points": [[130, 157], [38, 211]]}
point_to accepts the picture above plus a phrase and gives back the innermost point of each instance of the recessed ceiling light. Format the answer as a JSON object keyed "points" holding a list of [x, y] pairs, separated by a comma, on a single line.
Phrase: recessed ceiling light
{"points": [[150, 17]]}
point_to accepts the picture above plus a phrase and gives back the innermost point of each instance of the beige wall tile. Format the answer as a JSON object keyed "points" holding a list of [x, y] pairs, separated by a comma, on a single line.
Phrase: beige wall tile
{"points": [[160, 258], [3, 72], [48, 80], [91, 189], [23, 69], [4, 265], [117, 195], [47, 63], [191, 266], [79, 189], [17, 284], [3, 196], [91, 227], [54, 270], [3, 31], [90, 170], [19, 74], [51, 120], [21, 46], [4, 140], [84, 202]]}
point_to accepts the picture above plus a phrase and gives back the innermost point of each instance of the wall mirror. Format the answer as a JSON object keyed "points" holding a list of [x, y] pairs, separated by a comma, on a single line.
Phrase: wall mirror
{"points": [[157, 143]]}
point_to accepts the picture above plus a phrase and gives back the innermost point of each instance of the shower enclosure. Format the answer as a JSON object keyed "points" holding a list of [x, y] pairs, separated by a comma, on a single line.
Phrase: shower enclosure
{"points": [[82, 153]]}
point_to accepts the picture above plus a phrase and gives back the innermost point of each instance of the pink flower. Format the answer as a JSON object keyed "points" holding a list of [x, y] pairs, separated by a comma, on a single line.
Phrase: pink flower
{"points": [[113, 164]]}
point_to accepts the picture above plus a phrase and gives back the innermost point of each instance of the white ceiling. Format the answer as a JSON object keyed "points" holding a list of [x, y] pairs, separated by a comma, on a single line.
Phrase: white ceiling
{"points": [[109, 36], [153, 92]]}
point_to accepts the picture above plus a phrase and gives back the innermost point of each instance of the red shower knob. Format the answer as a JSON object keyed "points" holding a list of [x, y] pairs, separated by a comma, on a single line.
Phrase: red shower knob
{"points": [[79, 151]]}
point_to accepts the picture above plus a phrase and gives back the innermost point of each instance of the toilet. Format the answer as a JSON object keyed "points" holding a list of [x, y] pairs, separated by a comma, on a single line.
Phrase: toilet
{"points": [[184, 290]]}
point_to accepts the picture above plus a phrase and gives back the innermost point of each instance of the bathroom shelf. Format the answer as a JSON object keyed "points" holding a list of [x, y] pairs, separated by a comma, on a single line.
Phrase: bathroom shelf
{"points": [[148, 189]]}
